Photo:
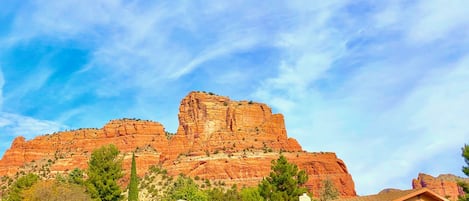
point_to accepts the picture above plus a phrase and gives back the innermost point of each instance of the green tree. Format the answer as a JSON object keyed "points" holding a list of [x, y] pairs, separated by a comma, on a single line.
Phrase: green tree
{"points": [[232, 194], [465, 155], [104, 170], [133, 185], [219, 194], [216, 194], [328, 191], [185, 188], [465, 169], [285, 182], [250, 194], [23, 183], [76, 177]]}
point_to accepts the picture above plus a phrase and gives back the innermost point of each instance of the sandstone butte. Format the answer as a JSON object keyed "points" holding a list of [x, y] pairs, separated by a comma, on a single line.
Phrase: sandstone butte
{"points": [[445, 184], [217, 139]]}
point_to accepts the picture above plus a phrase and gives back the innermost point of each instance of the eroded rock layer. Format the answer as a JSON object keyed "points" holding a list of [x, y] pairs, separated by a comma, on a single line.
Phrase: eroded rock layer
{"points": [[217, 139]]}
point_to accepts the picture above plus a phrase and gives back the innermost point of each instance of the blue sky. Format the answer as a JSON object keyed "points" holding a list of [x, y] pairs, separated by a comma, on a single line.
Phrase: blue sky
{"points": [[385, 85]]}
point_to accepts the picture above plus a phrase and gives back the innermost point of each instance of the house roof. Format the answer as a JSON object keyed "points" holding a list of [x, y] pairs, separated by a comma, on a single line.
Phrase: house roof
{"points": [[397, 195]]}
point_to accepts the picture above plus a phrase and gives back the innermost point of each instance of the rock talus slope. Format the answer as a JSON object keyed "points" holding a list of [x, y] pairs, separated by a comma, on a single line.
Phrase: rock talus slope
{"points": [[217, 139]]}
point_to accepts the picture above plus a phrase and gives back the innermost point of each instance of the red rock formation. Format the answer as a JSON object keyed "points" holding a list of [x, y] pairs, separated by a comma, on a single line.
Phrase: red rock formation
{"points": [[71, 149], [217, 138], [208, 122], [445, 184]]}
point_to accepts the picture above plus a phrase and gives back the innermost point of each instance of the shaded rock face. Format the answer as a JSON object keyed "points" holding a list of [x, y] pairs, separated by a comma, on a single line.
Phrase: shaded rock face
{"points": [[217, 139], [445, 184]]}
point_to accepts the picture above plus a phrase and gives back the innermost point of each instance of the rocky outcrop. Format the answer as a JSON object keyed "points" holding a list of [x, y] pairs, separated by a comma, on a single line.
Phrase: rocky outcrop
{"points": [[71, 149], [445, 184], [217, 139], [209, 123]]}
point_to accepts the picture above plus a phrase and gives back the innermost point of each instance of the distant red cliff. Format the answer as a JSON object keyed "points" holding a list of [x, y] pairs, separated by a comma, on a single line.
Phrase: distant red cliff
{"points": [[445, 184]]}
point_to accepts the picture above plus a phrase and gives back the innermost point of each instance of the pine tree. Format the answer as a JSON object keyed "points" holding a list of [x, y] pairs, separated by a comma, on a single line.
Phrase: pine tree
{"points": [[285, 182], [133, 185], [465, 169], [465, 155], [104, 170]]}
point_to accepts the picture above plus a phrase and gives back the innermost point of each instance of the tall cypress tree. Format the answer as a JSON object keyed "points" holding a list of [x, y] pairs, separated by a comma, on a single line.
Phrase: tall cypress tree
{"points": [[133, 185]]}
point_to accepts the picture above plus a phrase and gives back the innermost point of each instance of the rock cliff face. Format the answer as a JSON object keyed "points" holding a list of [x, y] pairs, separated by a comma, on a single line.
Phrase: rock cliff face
{"points": [[445, 184], [209, 123], [217, 139]]}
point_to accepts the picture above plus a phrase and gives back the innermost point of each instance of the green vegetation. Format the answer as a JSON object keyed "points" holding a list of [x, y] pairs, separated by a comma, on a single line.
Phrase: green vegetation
{"points": [[185, 188], [465, 169], [133, 119], [285, 182], [133, 185], [104, 169], [23, 183], [251, 194], [30, 187], [169, 135], [76, 177], [56, 191], [328, 191]]}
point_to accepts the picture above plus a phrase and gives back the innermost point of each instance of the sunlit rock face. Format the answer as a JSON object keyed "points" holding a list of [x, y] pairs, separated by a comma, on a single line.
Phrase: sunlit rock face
{"points": [[217, 139]]}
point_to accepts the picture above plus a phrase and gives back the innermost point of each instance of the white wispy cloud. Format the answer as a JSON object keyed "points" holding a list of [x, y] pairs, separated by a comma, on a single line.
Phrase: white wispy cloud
{"points": [[438, 19], [429, 122], [382, 84], [395, 109], [2, 82], [140, 46], [30, 82], [13, 125], [226, 46]]}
